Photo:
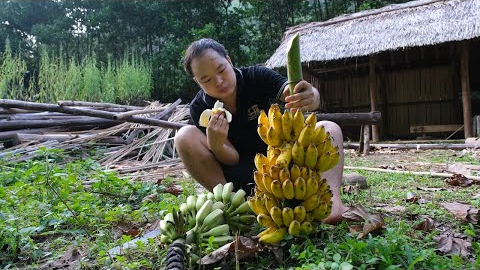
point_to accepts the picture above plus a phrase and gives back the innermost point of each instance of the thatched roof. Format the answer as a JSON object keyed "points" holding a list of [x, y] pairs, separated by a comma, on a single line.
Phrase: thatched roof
{"points": [[415, 23]]}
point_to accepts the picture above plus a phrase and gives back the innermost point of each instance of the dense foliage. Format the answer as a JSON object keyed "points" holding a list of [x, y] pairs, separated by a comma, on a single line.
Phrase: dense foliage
{"points": [[84, 32]]}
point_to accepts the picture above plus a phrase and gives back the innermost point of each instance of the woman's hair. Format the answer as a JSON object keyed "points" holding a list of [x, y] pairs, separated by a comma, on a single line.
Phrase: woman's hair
{"points": [[197, 48]]}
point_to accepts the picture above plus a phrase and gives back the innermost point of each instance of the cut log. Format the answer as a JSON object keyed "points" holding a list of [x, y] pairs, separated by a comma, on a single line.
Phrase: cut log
{"points": [[351, 118], [8, 103], [24, 137], [7, 135]]}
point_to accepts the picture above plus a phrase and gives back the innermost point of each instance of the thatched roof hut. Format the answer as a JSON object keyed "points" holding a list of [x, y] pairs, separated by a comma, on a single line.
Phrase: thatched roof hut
{"points": [[412, 41]]}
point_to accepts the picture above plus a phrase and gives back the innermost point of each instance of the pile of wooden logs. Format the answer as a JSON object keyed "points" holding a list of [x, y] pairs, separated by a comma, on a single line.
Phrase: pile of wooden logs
{"points": [[131, 135]]}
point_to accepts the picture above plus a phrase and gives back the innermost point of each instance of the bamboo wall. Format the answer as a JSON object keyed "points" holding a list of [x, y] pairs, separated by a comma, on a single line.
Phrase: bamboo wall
{"points": [[421, 96]]}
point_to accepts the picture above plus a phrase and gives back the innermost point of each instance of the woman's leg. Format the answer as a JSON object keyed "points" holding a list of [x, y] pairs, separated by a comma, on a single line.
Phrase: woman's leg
{"points": [[191, 145]]}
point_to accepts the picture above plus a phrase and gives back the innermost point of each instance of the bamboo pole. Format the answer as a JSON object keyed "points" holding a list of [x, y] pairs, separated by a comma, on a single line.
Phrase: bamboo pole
{"points": [[96, 104], [8, 103], [433, 174]]}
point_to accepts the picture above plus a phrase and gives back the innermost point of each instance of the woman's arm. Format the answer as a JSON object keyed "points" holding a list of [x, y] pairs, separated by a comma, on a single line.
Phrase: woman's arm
{"points": [[218, 143]]}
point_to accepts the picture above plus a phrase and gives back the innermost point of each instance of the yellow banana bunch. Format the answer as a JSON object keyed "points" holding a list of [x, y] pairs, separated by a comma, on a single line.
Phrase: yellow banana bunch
{"points": [[290, 194]]}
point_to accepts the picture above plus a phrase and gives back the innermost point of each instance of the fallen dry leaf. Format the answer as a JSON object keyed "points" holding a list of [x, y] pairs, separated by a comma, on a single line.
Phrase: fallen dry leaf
{"points": [[463, 211], [67, 261], [243, 247], [427, 224], [372, 223], [459, 180], [453, 243], [174, 190], [394, 209]]}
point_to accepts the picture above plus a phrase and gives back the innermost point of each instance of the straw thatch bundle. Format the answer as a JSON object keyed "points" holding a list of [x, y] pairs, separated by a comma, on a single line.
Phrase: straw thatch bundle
{"points": [[416, 23]]}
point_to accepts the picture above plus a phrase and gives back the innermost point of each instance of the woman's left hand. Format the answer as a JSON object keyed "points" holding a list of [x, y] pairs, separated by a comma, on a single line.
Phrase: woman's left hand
{"points": [[305, 97]]}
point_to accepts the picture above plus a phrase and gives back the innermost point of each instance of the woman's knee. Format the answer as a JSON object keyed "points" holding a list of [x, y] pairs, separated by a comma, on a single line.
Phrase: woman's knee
{"points": [[187, 136]]}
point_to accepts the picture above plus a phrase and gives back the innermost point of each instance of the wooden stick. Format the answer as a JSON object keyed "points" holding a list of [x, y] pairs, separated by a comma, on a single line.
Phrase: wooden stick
{"points": [[419, 146], [96, 104], [9, 103], [433, 174], [124, 115]]}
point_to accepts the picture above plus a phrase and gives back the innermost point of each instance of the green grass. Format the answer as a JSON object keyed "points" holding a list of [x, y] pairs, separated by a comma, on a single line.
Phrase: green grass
{"points": [[45, 209]]}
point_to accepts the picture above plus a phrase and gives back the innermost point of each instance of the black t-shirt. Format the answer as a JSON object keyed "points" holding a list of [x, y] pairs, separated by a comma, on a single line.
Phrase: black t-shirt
{"points": [[257, 88]]}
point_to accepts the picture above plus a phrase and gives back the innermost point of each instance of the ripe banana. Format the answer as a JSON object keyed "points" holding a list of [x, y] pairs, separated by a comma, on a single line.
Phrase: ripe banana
{"points": [[306, 228], [322, 211], [257, 208], [276, 122], [274, 138], [270, 202], [311, 119], [274, 237], [299, 213], [295, 172], [263, 119], [265, 220], [300, 188], [285, 157], [275, 172], [259, 160], [319, 135], [284, 174], [311, 156], [297, 124], [298, 154], [287, 216], [311, 202], [277, 189], [288, 189], [262, 132], [306, 135], [258, 178], [276, 215], [267, 231], [207, 114], [267, 182], [287, 122], [312, 187], [294, 228]]}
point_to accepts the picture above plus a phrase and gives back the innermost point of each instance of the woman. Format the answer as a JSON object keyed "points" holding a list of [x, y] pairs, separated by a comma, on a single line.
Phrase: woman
{"points": [[224, 152]]}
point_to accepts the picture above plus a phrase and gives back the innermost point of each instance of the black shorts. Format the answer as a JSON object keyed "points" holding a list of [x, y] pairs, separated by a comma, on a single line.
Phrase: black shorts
{"points": [[241, 174]]}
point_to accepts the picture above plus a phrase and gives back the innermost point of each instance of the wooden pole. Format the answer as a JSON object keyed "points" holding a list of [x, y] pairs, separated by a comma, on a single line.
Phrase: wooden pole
{"points": [[465, 82], [9, 103], [351, 118], [433, 174], [372, 82]]}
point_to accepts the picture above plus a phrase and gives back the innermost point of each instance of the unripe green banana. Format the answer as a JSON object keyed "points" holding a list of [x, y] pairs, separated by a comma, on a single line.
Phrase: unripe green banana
{"points": [[219, 240], [227, 192], [200, 201], [244, 219], [203, 212], [212, 219], [191, 201], [217, 192], [218, 205], [243, 208], [210, 196], [184, 209], [165, 239], [223, 229]]}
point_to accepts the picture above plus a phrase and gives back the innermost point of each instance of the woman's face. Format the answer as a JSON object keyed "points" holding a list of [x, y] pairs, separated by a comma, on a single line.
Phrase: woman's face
{"points": [[215, 75]]}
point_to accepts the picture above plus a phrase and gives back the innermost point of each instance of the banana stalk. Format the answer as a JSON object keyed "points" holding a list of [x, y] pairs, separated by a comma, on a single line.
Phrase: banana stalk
{"points": [[294, 64]]}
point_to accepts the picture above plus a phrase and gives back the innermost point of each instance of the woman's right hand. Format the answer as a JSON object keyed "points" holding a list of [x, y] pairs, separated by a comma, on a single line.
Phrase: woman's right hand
{"points": [[217, 131]]}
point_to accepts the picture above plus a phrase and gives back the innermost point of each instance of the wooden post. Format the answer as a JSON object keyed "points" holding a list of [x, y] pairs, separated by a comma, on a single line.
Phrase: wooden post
{"points": [[372, 81], [360, 140], [366, 140], [465, 82]]}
